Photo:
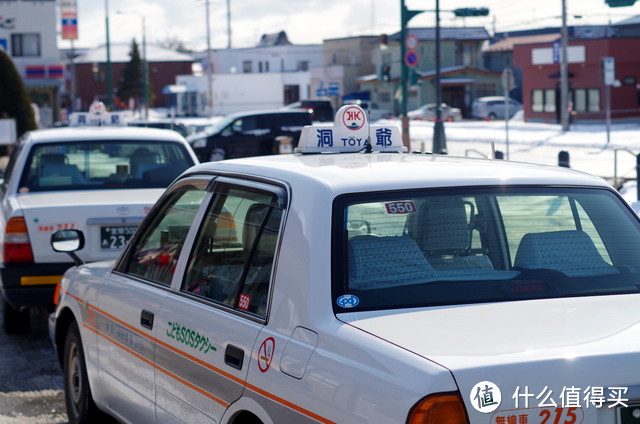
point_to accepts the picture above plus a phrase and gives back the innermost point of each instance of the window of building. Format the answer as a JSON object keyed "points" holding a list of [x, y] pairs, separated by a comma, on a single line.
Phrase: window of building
{"points": [[303, 65], [550, 101], [463, 54], [98, 73], [594, 99], [543, 100], [586, 100], [247, 66], [25, 45], [260, 67]]}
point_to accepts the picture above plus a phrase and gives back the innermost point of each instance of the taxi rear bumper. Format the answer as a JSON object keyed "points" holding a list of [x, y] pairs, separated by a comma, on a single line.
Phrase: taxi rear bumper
{"points": [[28, 285]]}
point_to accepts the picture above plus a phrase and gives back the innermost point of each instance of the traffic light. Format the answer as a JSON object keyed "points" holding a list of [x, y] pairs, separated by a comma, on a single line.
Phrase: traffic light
{"points": [[385, 71], [620, 3], [414, 78], [481, 11]]}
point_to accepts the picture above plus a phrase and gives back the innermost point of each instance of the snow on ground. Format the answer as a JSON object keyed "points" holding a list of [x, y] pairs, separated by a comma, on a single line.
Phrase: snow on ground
{"points": [[539, 143]]}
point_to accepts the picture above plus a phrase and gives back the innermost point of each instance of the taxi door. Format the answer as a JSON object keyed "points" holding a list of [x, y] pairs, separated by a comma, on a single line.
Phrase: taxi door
{"points": [[124, 323], [208, 325], [127, 311]]}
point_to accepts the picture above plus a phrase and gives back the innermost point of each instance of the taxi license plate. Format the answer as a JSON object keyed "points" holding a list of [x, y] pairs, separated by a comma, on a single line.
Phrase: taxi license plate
{"points": [[629, 414], [115, 237]]}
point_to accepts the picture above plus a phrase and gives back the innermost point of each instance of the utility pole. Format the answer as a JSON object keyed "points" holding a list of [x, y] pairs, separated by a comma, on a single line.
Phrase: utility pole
{"points": [[439, 140], [405, 17], [209, 64], [228, 24], [108, 67], [145, 69], [564, 72]]}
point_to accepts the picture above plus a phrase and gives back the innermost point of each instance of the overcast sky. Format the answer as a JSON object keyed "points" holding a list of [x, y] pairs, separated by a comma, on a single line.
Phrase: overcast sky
{"points": [[311, 21]]}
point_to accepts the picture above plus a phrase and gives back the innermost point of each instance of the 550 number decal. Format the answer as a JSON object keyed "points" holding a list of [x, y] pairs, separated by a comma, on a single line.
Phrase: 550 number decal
{"points": [[400, 207]]}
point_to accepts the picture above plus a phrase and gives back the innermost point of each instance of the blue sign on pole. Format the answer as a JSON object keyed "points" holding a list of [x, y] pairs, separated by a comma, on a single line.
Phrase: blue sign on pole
{"points": [[556, 51], [411, 58]]}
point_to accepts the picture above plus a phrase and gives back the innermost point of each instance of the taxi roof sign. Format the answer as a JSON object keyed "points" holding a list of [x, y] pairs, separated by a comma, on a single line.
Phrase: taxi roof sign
{"points": [[97, 116], [350, 132]]}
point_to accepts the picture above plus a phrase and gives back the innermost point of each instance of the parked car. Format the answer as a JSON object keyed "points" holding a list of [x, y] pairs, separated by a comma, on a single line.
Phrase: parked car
{"points": [[374, 112], [321, 110], [428, 113], [102, 180], [363, 285], [492, 107], [246, 134]]}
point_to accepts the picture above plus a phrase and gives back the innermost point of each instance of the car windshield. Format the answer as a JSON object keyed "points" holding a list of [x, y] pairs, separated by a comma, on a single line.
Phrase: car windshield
{"points": [[103, 165], [474, 245]]}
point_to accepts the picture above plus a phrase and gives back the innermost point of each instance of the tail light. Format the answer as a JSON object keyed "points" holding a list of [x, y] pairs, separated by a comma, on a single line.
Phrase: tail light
{"points": [[17, 248], [441, 408]]}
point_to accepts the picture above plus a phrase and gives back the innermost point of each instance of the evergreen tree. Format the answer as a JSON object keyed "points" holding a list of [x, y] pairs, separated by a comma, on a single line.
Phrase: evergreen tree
{"points": [[131, 82], [14, 99]]}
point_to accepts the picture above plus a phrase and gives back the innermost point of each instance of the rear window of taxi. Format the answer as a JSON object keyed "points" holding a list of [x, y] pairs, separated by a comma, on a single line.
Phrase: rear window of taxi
{"points": [[446, 247], [103, 165]]}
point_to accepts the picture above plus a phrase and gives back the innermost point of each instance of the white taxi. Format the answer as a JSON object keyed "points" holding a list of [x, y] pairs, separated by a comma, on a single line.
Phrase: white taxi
{"points": [[361, 285], [101, 180]]}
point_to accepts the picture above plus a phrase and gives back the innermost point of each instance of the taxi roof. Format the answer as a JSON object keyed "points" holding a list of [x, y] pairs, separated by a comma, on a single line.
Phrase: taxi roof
{"points": [[360, 172], [55, 135]]}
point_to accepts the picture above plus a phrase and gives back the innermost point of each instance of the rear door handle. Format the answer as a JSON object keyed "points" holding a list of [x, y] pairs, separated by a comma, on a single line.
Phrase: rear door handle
{"points": [[146, 319], [233, 356]]}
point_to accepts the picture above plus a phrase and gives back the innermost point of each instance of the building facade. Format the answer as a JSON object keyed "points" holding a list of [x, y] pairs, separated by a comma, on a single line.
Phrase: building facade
{"points": [[540, 64], [463, 77], [274, 73], [28, 35], [343, 60], [90, 70]]}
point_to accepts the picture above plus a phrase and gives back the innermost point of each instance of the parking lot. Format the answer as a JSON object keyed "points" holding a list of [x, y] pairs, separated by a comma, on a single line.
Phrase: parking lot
{"points": [[30, 378]]}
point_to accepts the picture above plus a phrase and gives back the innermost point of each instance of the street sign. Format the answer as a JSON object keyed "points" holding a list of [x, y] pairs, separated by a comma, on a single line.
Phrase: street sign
{"points": [[555, 48], [508, 81], [608, 70], [411, 41], [8, 131], [411, 58]]}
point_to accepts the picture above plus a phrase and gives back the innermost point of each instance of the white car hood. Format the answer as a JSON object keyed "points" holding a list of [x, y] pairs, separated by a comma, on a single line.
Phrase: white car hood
{"points": [[577, 342]]}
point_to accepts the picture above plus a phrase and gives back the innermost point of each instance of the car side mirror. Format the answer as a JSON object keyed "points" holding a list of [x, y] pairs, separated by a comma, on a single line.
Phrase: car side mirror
{"points": [[69, 242]]}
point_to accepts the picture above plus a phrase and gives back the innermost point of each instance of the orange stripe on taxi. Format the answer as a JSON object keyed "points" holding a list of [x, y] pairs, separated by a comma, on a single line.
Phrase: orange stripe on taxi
{"points": [[185, 355]]}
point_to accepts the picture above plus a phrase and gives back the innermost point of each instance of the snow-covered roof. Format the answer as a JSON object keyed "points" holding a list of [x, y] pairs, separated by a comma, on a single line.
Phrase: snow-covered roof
{"points": [[119, 53], [507, 44]]}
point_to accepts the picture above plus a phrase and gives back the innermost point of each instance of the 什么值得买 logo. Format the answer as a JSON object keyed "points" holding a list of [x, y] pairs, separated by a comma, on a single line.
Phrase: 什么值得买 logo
{"points": [[485, 397]]}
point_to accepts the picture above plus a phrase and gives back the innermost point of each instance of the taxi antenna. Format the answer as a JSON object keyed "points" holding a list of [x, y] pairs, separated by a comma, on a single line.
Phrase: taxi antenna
{"points": [[367, 147]]}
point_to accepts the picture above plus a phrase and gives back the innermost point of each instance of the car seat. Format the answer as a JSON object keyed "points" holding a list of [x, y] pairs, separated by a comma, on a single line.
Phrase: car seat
{"points": [[442, 229]]}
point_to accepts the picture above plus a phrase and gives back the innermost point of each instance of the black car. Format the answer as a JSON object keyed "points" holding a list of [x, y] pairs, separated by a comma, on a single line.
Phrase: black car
{"points": [[165, 125], [246, 134], [321, 110]]}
